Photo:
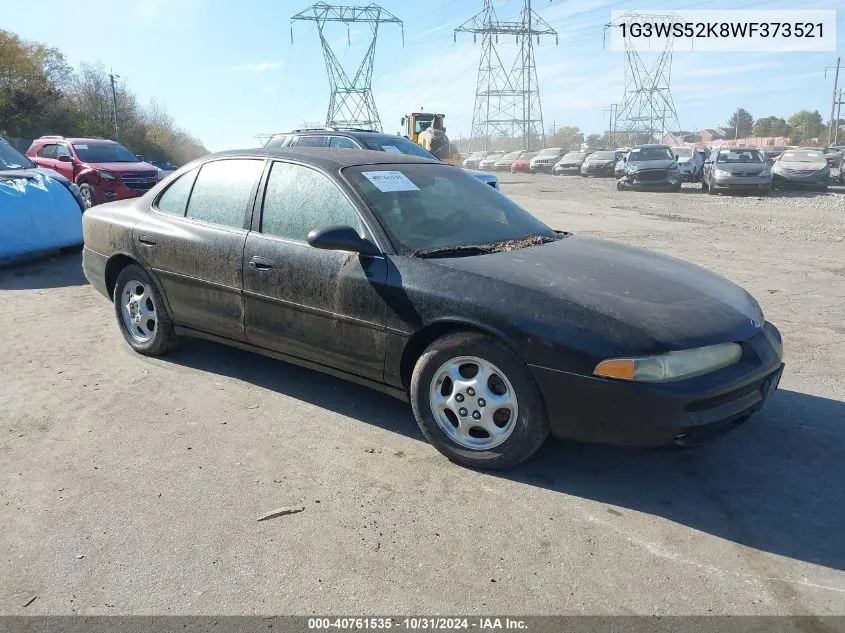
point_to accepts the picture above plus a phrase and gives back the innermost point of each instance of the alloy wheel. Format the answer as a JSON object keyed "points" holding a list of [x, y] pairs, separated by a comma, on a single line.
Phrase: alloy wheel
{"points": [[137, 310], [473, 402]]}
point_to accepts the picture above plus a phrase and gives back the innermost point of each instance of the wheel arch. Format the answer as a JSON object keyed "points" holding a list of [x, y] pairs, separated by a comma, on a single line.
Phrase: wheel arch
{"points": [[118, 262], [423, 337]]}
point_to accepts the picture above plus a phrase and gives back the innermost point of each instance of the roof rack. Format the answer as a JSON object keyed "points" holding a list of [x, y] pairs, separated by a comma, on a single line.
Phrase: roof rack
{"points": [[332, 129]]}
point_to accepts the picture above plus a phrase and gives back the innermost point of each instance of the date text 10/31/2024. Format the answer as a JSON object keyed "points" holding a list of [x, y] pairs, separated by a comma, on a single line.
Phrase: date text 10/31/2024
{"points": [[480, 624]]}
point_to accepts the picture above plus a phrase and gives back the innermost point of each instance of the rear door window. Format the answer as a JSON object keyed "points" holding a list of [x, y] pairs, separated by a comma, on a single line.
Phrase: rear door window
{"points": [[309, 141], [224, 190]]}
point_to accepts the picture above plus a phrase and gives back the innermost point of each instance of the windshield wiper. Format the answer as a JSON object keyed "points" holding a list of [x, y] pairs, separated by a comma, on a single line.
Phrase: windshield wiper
{"points": [[453, 251], [490, 247]]}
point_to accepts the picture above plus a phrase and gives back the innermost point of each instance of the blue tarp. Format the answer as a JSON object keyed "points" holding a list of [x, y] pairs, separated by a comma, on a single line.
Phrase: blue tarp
{"points": [[37, 214]]}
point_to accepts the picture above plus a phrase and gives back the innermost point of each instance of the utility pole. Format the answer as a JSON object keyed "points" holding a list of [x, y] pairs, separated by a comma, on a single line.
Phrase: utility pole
{"points": [[112, 76], [837, 118], [830, 134]]}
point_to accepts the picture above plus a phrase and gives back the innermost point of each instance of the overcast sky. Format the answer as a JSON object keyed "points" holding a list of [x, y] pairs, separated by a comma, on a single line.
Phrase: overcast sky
{"points": [[227, 70]]}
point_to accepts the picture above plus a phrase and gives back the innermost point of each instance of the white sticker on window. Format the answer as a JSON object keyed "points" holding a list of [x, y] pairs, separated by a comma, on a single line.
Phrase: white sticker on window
{"points": [[392, 149], [79, 146], [390, 181]]}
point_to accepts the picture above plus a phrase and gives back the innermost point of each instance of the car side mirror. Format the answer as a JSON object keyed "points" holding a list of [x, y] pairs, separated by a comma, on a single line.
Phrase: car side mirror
{"points": [[339, 237], [64, 159]]}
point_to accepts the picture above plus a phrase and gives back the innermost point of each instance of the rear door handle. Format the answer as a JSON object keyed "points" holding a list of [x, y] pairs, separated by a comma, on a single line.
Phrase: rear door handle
{"points": [[260, 263], [146, 240]]}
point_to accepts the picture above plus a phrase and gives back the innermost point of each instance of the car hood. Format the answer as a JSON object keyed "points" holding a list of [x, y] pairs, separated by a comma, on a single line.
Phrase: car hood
{"points": [[801, 165], [670, 303], [744, 168], [124, 168], [652, 164]]}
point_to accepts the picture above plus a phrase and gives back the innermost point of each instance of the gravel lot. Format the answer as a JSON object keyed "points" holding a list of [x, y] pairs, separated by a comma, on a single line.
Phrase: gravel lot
{"points": [[132, 485]]}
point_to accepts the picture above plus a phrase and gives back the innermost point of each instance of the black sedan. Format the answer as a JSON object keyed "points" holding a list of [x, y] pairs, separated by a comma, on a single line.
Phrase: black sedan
{"points": [[599, 164], [412, 277]]}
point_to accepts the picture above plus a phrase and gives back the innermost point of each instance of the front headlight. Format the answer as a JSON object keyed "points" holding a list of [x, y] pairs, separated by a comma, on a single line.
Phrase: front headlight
{"points": [[672, 365], [721, 173], [107, 175]]}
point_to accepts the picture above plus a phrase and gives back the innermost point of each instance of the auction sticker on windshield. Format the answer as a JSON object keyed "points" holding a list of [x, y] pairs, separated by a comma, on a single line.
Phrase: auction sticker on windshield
{"points": [[387, 181], [392, 149]]}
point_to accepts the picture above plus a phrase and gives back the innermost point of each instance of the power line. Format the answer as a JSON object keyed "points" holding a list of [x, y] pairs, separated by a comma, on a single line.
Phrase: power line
{"points": [[507, 101], [351, 103]]}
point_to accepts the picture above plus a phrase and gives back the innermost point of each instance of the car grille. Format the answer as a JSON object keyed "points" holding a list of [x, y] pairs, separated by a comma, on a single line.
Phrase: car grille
{"points": [[139, 182], [542, 161], [745, 174], [652, 175]]}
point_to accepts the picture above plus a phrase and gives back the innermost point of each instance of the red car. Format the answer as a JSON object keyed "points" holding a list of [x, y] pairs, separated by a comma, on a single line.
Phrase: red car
{"points": [[104, 170], [522, 165]]}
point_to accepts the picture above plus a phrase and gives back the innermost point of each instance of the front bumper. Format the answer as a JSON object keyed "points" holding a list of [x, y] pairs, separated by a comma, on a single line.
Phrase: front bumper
{"points": [[542, 168], [685, 412], [742, 183], [109, 191], [520, 169], [598, 171], [567, 169], [669, 183], [815, 180]]}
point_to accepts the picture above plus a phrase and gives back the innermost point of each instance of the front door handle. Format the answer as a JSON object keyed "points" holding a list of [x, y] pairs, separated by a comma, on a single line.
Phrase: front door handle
{"points": [[146, 240], [260, 263]]}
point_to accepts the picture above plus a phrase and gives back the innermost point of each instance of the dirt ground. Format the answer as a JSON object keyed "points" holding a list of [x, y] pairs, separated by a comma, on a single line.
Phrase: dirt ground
{"points": [[131, 485]]}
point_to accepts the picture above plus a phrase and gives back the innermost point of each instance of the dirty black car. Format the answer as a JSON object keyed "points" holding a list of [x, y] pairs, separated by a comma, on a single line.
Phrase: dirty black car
{"points": [[414, 278], [650, 167]]}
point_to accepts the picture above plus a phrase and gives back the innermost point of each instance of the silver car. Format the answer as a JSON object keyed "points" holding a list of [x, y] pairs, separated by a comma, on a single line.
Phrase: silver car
{"points": [[736, 169], [801, 168], [546, 159], [690, 163], [488, 161], [569, 164], [503, 163]]}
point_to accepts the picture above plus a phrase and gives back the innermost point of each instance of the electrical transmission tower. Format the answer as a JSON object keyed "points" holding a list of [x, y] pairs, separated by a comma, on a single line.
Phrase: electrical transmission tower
{"points": [[351, 103], [647, 111], [507, 101]]}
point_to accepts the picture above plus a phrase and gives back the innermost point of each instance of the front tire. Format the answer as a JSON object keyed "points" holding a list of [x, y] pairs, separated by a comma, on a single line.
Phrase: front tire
{"points": [[87, 192], [476, 402], [141, 313]]}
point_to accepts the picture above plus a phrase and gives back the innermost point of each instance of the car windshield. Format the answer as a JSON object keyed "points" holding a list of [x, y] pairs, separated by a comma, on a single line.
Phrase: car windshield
{"points": [[651, 153], [397, 145], [90, 152], [802, 157], [511, 156], [10, 158], [740, 156], [424, 207], [574, 156], [683, 152], [603, 156], [552, 151], [494, 156]]}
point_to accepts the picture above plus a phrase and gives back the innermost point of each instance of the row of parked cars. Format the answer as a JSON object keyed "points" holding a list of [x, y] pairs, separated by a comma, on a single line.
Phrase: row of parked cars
{"points": [[718, 169]]}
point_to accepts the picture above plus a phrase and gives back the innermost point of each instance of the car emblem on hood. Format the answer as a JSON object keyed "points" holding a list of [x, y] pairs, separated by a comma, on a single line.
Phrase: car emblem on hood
{"points": [[755, 323]]}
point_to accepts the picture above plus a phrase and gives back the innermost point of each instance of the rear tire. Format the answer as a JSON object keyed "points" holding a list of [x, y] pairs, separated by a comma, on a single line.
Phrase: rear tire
{"points": [[141, 314], [454, 405]]}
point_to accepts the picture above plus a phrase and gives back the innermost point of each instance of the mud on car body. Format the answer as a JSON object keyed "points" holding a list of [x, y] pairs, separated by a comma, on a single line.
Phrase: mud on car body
{"points": [[412, 277]]}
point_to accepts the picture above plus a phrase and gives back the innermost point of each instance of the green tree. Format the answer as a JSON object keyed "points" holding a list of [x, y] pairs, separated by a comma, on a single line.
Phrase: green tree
{"points": [[568, 137], [740, 124], [805, 126]]}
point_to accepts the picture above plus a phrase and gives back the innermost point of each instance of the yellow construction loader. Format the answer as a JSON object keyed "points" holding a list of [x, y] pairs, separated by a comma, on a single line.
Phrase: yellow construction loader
{"points": [[427, 130]]}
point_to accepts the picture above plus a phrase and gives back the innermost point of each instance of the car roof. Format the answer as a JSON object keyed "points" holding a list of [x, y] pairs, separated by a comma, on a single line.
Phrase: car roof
{"points": [[335, 132], [326, 157], [75, 139], [651, 145]]}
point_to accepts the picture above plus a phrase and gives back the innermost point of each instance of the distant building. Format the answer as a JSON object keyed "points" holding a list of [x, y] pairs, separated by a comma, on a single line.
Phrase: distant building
{"points": [[708, 137]]}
